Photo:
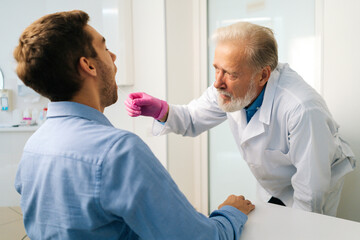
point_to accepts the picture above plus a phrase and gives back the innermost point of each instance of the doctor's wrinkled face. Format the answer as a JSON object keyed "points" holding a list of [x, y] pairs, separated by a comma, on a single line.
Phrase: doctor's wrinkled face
{"points": [[235, 80]]}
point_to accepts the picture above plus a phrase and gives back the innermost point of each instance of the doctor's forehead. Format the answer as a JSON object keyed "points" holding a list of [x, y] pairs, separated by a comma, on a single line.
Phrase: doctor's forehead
{"points": [[227, 62], [229, 51]]}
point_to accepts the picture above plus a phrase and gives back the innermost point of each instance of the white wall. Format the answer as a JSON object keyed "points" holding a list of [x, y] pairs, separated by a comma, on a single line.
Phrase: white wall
{"points": [[11, 145], [179, 19], [149, 72], [186, 45], [341, 86]]}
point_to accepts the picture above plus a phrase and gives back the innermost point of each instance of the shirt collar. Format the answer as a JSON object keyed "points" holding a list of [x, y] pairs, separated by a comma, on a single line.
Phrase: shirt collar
{"points": [[271, 86], [62, 109]]}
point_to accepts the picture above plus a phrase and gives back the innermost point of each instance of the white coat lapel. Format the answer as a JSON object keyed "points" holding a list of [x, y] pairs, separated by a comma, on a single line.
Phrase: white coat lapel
{"points": [[237, 121], [253, 129], [256, 126]]}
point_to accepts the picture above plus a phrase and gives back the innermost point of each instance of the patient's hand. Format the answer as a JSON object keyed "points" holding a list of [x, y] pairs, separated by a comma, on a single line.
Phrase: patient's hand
{"points": [[239, 202]]}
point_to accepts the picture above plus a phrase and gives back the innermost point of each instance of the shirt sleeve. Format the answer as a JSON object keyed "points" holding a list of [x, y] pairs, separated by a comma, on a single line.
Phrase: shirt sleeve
{"points": [[137, 189], [312, 148], [191, 120]]}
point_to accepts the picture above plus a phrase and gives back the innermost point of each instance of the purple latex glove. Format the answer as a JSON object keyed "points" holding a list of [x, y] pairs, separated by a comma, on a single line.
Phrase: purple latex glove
{"points": [[141, 103]]}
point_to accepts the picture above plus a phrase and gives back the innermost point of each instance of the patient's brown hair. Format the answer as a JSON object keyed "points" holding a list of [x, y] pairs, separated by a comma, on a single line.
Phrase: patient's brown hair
{"points": [[49, 51]]}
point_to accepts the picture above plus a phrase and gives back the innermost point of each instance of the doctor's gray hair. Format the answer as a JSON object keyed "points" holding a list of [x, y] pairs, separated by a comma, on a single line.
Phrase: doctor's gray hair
{"points": [[259, 42]]}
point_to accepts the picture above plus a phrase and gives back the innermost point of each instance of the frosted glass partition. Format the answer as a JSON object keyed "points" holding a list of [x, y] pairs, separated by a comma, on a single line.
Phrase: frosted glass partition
{"points": [[293, 23]]}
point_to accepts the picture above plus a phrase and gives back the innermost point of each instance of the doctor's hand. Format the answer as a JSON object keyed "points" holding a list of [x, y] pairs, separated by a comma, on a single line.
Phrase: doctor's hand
{"points": [[143, 104], [238, 202]]}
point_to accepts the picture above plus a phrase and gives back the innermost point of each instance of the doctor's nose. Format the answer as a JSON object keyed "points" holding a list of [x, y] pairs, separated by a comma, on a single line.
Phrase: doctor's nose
{"points": [[219, 79]]}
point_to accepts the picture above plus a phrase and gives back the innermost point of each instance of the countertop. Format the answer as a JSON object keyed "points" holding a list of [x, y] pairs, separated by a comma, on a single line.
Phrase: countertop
{"points": [[273, 222]]}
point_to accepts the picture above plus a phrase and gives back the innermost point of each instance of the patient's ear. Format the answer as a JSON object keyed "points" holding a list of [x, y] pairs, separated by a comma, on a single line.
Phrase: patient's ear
{"points": [[87, 67]]}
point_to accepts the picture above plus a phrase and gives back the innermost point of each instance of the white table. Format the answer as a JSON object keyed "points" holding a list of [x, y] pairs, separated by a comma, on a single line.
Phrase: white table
{"points": [[273, 222]]}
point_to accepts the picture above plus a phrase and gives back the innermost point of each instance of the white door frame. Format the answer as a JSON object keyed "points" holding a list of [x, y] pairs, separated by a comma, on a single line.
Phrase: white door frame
{"points": [[200, 84]]}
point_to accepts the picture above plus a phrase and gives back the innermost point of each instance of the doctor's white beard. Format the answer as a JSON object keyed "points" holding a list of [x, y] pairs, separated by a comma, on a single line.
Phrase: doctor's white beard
{"points": [[237, 104]]}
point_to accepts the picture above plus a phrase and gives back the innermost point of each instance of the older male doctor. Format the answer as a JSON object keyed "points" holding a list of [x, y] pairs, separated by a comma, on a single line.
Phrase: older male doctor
{"points": [[281, 125]]}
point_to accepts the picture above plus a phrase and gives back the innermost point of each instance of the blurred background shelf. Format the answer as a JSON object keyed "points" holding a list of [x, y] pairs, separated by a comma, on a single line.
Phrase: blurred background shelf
{"points": [[19, 129]]}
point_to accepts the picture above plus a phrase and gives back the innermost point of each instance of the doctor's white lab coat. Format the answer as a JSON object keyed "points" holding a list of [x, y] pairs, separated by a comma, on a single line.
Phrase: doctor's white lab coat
{"points": [[291, 144]]}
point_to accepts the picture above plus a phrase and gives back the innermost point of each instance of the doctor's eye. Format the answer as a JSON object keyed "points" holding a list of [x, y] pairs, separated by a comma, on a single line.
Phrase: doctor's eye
{"points": [[232, 76]]}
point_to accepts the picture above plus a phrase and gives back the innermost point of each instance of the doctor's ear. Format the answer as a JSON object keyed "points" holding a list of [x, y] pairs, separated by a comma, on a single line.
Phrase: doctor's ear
{"points": [[86, 66], [265, 75]]}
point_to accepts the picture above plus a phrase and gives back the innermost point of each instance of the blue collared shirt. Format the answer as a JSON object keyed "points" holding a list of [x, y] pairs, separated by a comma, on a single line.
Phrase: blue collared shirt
{"points": [[81, 178], [251, 110]]}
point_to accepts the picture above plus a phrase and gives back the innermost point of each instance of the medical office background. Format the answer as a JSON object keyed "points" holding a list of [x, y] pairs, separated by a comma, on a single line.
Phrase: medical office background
{"points": [[163, 48]]}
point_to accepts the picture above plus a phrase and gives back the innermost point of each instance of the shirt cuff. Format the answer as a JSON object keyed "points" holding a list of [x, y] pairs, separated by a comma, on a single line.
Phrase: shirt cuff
{"points": [[231, 214], [158, 127]]}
